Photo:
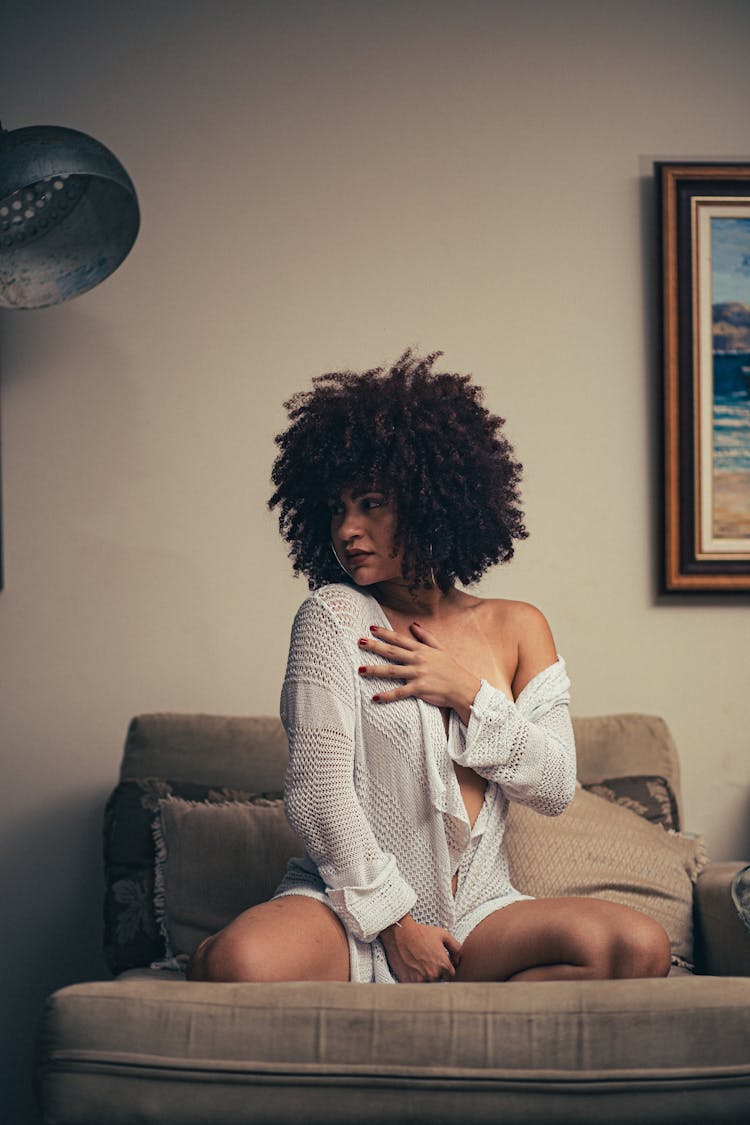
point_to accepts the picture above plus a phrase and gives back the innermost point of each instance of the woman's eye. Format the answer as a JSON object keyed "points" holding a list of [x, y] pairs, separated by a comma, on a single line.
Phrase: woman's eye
{"points": [[373, 502]]}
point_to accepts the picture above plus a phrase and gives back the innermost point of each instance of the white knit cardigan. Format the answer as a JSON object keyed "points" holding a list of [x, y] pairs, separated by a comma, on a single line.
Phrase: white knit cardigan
{"points": [[372, 792]]}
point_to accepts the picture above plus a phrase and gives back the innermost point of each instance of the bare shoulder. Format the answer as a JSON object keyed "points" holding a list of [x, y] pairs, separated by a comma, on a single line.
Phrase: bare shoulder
{"points": [[526, 627], [523, 619]]}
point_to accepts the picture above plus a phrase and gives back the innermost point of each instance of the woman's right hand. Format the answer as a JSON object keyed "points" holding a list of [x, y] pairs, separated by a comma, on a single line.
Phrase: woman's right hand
{"points": [[418, 954]]}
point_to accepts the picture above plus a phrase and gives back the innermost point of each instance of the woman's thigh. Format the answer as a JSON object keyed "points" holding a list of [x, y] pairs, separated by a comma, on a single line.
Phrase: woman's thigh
{"points": [[288, 938], [564, 939]]}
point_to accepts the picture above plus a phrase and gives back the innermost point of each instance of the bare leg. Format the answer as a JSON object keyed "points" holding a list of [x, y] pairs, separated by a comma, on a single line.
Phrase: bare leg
{"points": [[564, 939], [288, 938]]}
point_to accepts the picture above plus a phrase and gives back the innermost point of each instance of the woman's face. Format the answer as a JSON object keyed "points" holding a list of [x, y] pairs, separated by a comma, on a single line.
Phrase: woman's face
{"points": [[362, 530]]}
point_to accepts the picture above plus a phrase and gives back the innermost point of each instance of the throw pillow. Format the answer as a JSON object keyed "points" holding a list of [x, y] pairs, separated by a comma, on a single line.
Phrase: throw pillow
{"points": [[599, 848], [132, 938], [740, 890], [212, 862], [651, 797]]}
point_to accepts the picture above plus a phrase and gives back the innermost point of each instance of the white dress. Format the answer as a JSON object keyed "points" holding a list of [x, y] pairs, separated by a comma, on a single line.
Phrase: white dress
{"points": [[372, 792]]}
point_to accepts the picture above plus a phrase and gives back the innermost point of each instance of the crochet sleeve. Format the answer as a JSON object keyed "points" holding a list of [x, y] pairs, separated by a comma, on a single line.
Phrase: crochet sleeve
{"points": [[318, 712], [526, 747]]}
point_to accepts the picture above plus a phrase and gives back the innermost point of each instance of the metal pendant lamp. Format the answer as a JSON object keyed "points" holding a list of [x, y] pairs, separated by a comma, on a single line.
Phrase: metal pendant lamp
{"points": [[68, 215]]}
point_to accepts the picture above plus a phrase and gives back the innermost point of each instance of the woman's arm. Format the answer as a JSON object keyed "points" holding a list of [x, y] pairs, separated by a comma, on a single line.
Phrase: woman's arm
{"points": [[532, 759], [526, 744], [317, 709]]}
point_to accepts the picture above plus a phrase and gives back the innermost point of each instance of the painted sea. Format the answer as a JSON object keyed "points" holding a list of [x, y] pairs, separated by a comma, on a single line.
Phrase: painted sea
{"points": [[731, 515], [732, 411]]}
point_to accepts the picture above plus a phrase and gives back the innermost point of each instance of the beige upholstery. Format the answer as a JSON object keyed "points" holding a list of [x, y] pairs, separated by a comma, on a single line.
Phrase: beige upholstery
{"points": [[723, 940], [151, 1047], [623, 745], [246, 753], [656, 1050], [252, 752]]}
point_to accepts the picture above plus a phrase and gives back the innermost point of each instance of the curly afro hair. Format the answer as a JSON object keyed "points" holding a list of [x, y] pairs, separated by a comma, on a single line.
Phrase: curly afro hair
{"points": [[427, 442]]}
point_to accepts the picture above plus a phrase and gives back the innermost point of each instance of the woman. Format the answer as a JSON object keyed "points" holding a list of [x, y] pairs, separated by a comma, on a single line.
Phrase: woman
{"points": [[415, 711]]}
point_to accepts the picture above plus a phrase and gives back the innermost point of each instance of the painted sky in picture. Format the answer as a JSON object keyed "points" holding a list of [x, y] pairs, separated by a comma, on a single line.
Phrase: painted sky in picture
{"points": [[730, 285], [730, 250]]}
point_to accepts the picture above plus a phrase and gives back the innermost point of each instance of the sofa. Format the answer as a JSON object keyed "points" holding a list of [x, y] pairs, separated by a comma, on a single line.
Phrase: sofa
{"points": [[195, 831]]}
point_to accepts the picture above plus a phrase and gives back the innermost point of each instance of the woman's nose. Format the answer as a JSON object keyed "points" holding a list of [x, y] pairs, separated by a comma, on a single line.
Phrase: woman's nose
{"points": [[348, 529], [350, 523]]}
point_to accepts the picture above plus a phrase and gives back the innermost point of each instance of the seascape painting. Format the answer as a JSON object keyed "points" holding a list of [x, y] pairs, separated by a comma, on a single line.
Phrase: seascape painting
{"points": [[730, 310], [705, 262]]}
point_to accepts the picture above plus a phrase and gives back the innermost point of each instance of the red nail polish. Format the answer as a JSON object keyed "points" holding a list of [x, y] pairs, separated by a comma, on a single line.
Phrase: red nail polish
{"points": [[362, 669], [417, 624], [374, 628], [376, 699], [362, 642]]}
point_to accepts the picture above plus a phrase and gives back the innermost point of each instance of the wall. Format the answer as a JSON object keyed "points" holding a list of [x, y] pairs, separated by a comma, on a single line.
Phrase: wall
{"points": [[322, 185]]}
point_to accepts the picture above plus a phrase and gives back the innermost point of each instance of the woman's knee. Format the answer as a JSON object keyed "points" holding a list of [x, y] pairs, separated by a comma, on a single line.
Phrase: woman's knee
{"points": [[594, 946], [290, 938], [642, 950], [619, 942], [229, 957]]}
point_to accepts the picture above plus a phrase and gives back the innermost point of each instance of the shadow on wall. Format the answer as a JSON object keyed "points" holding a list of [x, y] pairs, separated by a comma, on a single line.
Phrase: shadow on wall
{"points": [[52, 878], [75, 413], [650, 259]]}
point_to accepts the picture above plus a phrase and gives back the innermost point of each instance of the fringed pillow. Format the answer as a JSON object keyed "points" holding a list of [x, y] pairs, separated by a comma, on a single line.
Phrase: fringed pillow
{"points": [[212, 862]]}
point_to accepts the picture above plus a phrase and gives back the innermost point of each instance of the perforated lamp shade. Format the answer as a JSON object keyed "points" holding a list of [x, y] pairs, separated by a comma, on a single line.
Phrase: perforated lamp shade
{"points": [[68, 215]]}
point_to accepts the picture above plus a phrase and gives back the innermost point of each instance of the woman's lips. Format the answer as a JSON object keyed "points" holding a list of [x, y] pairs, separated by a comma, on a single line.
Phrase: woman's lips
{"points": [[357, 557]]}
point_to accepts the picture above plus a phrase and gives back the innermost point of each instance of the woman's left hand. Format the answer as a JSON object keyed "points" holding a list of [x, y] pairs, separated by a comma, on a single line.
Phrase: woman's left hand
{"points": [[427, 670]]}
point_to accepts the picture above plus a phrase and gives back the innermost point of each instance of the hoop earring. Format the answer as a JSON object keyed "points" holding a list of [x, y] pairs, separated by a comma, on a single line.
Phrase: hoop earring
{"points": [[432, 570], [338, 560]]}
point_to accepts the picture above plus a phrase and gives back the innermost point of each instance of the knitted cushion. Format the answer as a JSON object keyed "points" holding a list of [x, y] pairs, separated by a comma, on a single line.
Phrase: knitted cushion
{"points": [[212, 862], [599, 848]]}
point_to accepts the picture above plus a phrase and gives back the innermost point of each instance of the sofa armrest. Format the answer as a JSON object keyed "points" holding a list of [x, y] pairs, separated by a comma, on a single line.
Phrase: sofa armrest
{"points": [[722, 942]]}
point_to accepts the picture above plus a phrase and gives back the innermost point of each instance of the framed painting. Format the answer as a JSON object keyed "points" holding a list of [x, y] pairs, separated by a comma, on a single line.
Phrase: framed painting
{"points": [[705, 242]]}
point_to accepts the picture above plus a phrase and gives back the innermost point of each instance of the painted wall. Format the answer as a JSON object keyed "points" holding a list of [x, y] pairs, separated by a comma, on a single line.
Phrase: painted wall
{"points": [[323, 184]]}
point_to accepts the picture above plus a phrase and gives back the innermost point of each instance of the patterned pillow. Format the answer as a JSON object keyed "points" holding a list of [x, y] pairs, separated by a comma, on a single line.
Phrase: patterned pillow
{"points": [[651, 797], [741, 895], [132, 938]]}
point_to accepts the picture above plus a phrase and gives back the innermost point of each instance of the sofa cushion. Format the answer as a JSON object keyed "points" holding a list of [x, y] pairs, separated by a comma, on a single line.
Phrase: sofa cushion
{"points": [[131, 935], [250, 752], [624, 746], [246, 752], [599, 848], [175, 1052], [213, 861]]}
